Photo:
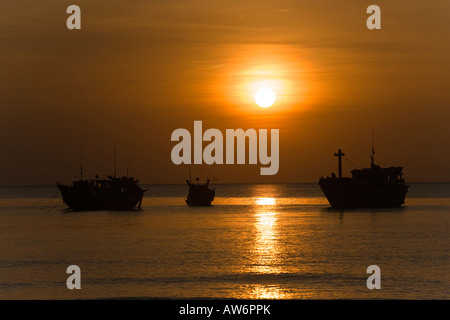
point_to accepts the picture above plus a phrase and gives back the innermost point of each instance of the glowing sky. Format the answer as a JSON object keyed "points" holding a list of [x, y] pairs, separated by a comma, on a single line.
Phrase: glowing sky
{"points": [[137, 71]]}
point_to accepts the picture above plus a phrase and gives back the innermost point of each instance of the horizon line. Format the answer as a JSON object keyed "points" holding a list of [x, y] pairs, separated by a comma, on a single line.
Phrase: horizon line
{"points": [[225, 183]]}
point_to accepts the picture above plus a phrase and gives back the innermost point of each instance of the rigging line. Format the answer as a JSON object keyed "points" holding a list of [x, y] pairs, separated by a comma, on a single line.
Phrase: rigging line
{"points": [[354, 164], [50, 202], [321, 200]]}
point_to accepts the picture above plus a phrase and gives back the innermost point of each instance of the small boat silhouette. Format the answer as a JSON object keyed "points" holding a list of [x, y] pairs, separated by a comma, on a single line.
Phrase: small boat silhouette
{"points": [[200, 194]]}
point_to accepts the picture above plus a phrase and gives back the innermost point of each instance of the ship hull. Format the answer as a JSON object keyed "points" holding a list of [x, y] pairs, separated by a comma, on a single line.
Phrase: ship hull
{"points": [[344, 193], [87, 200], [201, 198]]}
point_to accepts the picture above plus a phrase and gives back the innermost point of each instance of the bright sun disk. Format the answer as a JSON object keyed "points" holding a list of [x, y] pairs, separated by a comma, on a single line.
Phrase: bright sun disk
{"points": [[265, 97]]}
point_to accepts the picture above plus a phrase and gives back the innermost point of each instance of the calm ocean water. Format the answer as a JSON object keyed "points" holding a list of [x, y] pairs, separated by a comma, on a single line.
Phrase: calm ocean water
{"points": [[256, 242]]}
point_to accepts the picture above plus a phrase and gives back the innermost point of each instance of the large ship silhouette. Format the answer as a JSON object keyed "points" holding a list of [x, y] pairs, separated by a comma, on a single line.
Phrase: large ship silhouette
{"points": [[200, 194], [373, 187], [106, 194], [102, 194]]}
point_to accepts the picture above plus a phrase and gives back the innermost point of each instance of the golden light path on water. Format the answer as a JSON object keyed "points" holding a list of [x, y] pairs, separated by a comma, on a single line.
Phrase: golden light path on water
{"points": [[265, 201], [265, 243], [266, 259]]}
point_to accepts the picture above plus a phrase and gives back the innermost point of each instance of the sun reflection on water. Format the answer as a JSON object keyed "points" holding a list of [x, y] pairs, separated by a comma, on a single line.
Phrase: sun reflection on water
{"points": [[268, 292], [265, 201], [266, 246], [266, 250]]}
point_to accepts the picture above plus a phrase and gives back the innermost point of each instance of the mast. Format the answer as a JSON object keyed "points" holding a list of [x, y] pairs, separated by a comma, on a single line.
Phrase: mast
{"points": [[81, 162], [372, 163], [115, 157], [339, 155]]}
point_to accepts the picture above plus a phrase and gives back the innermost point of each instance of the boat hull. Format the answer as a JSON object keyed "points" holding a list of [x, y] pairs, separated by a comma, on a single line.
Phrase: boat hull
{"points": [[202, 197], [344, 193], [89, 200]]}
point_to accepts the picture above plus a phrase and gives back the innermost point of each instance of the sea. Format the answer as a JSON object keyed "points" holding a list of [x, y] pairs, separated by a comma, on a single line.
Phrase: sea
{"points": [[257, 241]]}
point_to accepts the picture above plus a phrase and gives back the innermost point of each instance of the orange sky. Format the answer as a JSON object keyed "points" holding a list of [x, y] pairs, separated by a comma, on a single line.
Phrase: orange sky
{"points": [[137, 71]]}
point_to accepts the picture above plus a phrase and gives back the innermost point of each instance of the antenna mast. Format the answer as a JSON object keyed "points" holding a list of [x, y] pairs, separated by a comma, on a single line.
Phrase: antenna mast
{"points": [[81, 162], [115, 157], [372, 163]]}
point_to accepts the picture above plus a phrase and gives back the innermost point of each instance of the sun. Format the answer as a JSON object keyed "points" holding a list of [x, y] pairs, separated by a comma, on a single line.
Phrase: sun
{"points": [[265, 97]]}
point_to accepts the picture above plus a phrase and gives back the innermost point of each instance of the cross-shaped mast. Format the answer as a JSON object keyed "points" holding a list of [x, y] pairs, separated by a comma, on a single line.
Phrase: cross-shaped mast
{"points": [[339, 155]]}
